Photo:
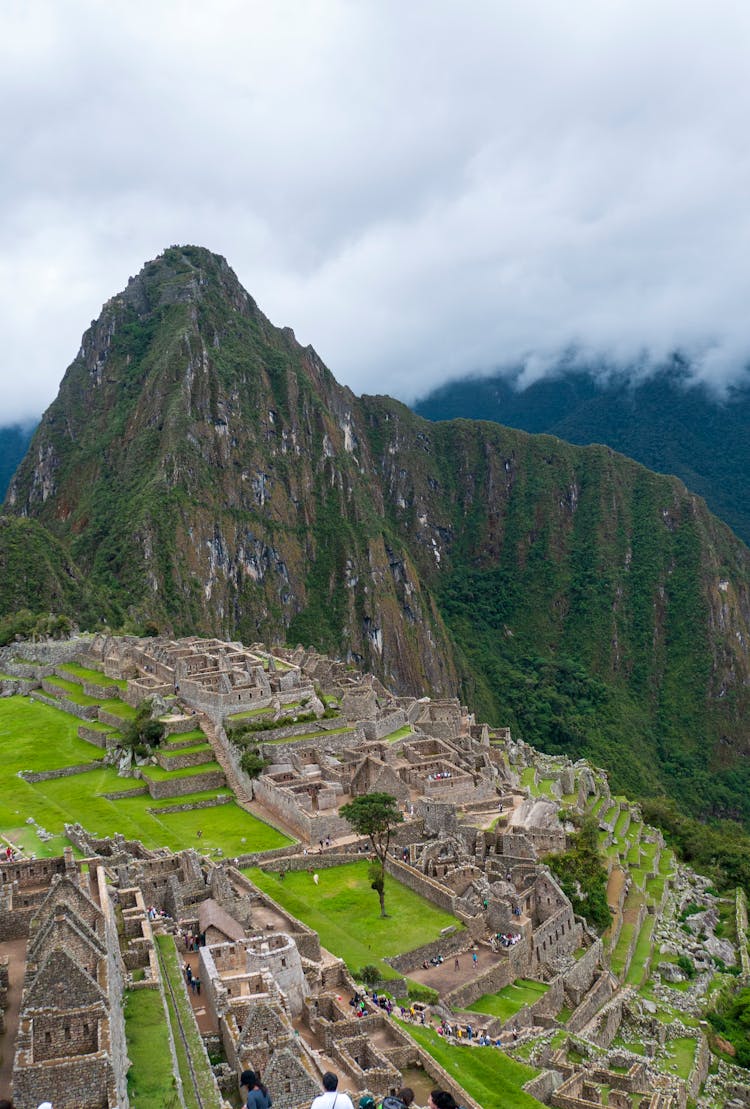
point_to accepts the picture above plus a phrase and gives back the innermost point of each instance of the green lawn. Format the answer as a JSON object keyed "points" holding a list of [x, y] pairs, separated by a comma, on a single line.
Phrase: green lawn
{"points": [[486, 1073], [179, 1006], [35, 736], [151, 1084], [510, 999], [157, 774], [309, 736], [346, 912], [95, 677], [620, 953], [197, 735], [682, 1050], [400, 733], [642, 952]]}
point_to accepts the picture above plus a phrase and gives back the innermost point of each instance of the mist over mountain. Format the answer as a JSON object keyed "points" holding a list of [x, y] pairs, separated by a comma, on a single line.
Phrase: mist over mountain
{"points": [[14, 441], [206, 472], [666, 421]]}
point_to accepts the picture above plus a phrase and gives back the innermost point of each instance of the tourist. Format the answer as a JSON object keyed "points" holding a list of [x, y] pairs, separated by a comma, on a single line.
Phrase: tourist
{"points": [[330, 1095], [474, 957], [441, 1099], [256, 1095], [456, 964], [316, 879], [5, 1104], [400, 1100]]}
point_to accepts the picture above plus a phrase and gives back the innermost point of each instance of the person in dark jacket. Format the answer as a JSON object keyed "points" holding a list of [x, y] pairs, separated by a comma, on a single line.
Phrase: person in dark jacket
{"points": [[255, 1093]]}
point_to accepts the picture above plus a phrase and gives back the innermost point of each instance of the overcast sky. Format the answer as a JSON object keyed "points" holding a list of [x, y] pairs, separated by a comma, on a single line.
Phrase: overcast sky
{"points": [[420, 190]]}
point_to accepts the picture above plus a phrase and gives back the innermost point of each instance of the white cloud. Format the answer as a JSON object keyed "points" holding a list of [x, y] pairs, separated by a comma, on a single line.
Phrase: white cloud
{"points": [[419, 190]]}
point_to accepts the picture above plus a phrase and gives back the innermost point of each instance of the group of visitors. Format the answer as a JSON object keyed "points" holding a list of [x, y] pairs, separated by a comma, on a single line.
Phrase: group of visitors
{"points": [[505, 939], [193, 981], [10, 853], [256, 1096], [157, 914], [439, 776]]}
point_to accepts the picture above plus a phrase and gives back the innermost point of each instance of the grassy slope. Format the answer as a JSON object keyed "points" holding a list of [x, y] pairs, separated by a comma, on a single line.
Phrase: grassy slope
{"points": [[489, 1076], [34, 736], [151, 1083], [346, 913]]}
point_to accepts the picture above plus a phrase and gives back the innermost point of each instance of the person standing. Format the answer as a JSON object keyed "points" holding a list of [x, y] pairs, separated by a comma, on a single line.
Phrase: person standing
{"points": [[331, 1098], [441, 1099], [256, 1095]]}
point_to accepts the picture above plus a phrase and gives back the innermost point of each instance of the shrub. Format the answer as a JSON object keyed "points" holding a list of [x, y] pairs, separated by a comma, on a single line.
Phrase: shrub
{"points": [[686, 965], [417, 992], [370, 975]]}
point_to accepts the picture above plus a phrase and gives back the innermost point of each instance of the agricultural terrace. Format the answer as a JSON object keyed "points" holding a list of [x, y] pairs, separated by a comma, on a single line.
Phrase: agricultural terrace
{"points": [[493, 1079], [36, 737], [345, 912], [507, 1002]]}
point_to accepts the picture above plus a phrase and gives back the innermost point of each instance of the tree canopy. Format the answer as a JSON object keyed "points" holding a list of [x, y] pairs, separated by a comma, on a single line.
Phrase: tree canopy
{"points": [[374, 815]]}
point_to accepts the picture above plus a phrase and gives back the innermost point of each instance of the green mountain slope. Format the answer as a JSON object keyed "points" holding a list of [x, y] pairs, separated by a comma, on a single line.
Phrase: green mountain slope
{"points": [[38, 574], [210, 474], [662, 422]]}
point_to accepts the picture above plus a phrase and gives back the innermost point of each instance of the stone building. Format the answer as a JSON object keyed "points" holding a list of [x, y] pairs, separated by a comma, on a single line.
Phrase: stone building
{"points": [[71, 1040]]}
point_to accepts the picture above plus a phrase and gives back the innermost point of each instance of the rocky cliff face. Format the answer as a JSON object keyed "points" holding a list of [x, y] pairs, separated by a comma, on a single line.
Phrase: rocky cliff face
{"points": [[210, 474]]}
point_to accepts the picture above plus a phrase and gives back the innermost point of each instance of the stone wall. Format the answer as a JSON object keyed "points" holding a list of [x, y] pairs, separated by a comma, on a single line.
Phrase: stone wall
{"points": [[83, 712], [62, 772], [183, 760], [209, 803], [115, 986], [310, 827], [195, 783], [450, 944], [74, 1083], [420, 883], [384, 725], [91, 735], [111, 718], [579, 978], [599, 994]]}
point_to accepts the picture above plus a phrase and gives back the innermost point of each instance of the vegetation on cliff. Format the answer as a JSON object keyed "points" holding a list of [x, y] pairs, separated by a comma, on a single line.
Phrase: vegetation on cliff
{"points": [[208, 474]]}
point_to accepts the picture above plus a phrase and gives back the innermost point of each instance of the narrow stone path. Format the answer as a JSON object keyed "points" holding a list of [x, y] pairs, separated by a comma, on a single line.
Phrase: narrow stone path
{"points": [[16, 953]]}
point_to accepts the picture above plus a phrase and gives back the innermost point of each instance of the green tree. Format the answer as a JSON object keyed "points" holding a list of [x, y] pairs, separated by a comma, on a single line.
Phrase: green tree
{"points": [[253, 763], [143, 732], [375, 815], [583, 876]]}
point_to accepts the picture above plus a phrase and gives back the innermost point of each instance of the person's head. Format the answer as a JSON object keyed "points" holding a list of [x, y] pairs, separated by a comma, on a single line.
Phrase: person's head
{"points": [[406, 1094], [330, 1081], [249, 1079], [441, 1099], [5, 1104]]}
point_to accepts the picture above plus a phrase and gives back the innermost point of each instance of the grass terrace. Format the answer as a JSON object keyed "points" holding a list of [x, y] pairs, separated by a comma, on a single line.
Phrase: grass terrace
{"points": [[308, 736], [95, 677], [642, 953], [156, 774], [266, 710], [400, 733], [34, 736], [199, 1091], [151, 1083], [487, 1074], [345, 912], [507, 1002], [197, 735]]}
